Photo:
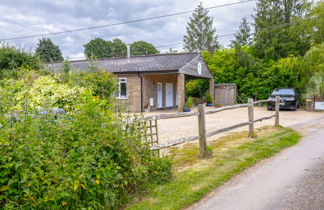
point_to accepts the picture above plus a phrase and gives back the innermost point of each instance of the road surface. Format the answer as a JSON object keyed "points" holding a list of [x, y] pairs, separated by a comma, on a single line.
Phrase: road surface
{"points": [[293, 179]]}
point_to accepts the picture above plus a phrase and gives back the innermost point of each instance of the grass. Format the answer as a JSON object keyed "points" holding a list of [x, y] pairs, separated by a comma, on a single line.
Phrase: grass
{"points": [[194, 177]]}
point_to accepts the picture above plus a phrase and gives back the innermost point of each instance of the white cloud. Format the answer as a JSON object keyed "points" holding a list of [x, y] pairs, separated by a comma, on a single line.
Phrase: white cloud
{"points": [[39, 16]]}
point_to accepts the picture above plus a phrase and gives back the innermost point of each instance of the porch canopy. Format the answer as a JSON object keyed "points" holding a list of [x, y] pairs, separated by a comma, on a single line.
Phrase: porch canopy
{"points": [[151, 71]]}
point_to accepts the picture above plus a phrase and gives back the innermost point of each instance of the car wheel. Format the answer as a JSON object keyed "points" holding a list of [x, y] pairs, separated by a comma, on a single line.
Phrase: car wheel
{"points": [[269, 108], [294, 108]]}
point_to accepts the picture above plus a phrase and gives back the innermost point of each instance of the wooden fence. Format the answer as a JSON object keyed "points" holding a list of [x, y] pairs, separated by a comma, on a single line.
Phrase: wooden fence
{"points": [[203, 135]]}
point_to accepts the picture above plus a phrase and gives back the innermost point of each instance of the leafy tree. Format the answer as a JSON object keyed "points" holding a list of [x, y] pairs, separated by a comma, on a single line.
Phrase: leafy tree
{"points": [[200, 32], [243, 35], [48, 51], [118, 48], [315, 58], [278, 32], [142, 48], [315, 21], [99, 48]]}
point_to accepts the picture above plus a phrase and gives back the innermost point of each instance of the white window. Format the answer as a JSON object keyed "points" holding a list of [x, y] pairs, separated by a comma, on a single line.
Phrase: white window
{"points": [[122, 88]]}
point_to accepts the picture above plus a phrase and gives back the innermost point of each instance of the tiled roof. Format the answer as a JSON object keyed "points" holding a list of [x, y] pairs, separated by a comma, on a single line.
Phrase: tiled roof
{"points": [[148, 63]]}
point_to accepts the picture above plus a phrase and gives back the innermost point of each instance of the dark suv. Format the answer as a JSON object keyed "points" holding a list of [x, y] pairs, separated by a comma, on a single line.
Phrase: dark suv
{"points": [[288, 99]]}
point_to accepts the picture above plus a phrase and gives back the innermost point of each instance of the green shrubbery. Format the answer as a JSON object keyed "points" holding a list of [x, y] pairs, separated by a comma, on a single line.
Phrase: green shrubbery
{"points": [[89, 158], [258, 77], [12, 60]]}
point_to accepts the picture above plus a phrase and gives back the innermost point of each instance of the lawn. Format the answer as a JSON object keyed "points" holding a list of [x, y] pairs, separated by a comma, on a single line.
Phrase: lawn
{"points": [[194, 178]]}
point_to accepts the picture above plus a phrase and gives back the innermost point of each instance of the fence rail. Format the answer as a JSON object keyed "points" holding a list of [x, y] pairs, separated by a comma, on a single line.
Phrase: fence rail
{"points": [[203, 135]]}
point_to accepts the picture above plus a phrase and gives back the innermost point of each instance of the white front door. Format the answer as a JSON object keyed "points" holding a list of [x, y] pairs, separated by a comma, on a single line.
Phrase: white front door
{"points": [[176, 89], [159, 95], [169, 94]]}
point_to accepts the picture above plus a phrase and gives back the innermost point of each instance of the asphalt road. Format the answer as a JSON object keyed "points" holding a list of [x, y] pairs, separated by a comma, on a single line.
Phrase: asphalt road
{"points": [[293, 179]]}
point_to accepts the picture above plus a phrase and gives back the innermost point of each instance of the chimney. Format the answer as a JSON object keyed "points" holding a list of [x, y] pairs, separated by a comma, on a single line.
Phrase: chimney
{"points": [[128, 51]]}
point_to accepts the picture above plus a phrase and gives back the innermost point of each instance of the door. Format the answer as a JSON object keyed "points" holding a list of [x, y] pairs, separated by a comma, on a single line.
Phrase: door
{"points": [[169, 95], [159, 95]]}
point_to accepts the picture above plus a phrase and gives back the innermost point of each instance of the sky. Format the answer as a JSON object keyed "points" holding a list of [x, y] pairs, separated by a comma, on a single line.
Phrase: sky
{"points": [[31, 17]]}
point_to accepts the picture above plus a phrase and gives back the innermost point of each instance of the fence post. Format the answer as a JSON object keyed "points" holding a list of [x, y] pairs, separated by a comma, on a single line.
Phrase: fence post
{"points": [[277, 106], [251, 116], [202, 131]]}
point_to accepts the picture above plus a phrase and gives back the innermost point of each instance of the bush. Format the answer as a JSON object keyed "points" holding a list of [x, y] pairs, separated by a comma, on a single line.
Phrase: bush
{"points": [[256, 77], [315, 87], [12, 59], [89, 159], [189, 102], [209, 99], [100, 82], [197, 87]]}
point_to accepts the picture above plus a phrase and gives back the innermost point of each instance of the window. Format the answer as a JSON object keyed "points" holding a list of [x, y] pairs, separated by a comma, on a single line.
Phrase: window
{"points": [[283, 91], [122, 90]]}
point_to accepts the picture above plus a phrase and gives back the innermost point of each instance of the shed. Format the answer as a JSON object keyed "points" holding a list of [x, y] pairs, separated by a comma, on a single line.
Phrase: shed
{"points": [[225, 94]]}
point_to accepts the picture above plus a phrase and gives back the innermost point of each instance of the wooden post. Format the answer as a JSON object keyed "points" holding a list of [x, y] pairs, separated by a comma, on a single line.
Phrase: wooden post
{"points": [[251, 116], [277, 106], [202, 131]]}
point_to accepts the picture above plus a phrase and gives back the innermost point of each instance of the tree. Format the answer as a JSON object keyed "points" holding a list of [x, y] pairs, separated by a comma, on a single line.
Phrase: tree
{"points": [[143, 48], [200, 32], [315, 58], [315, 21], [97, 48], [278, 32], [100, 48], [243, 35], [48, 51], [118, 48]]}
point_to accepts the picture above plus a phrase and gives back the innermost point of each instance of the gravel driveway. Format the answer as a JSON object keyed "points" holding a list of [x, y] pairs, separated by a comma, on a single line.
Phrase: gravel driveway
{"points": [[170, 129]]}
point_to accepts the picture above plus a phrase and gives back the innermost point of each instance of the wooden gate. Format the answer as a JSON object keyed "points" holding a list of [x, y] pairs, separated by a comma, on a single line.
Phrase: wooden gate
{"points": [[225, 94]]}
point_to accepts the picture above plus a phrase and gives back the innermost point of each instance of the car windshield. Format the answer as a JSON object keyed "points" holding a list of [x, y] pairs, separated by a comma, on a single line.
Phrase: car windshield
{"points": [[287, 91]]}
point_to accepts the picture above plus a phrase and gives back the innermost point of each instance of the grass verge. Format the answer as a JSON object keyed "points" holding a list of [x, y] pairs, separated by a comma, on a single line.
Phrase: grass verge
{"points": [[194, 178]]}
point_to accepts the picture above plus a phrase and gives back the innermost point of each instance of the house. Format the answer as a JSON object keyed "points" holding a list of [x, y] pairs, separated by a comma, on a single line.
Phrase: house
{"points": [[155, 81]]}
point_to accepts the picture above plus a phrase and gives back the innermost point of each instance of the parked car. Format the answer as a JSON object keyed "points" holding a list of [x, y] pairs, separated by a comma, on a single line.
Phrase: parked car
{"points": [[288, 99]]}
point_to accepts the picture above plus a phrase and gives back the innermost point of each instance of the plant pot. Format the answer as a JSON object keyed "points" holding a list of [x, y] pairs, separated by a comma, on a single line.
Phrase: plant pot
{"points": [[185, 109], [147, 109], [209, 104]]}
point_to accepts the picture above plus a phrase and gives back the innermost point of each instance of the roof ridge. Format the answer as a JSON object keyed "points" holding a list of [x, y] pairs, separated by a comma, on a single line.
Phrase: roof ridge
{"points": [[125, 57]]}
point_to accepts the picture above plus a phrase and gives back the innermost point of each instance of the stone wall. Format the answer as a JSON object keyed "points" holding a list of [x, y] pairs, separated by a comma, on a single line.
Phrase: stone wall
{"points": [[133, 101]]}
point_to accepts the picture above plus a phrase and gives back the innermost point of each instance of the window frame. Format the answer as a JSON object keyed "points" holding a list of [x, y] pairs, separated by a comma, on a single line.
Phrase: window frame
{"points": [[120, 81]]}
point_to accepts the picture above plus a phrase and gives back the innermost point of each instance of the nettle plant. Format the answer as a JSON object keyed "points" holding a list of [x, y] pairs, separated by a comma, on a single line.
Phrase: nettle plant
{"points": [[88, 158]]}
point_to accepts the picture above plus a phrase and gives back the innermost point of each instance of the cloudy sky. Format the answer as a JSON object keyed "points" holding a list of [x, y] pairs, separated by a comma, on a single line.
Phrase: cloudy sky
{"points": [[31, 17]]}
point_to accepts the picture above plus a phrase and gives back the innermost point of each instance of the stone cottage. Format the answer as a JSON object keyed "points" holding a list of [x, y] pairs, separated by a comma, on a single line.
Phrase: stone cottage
{"points": [[151, 81]]}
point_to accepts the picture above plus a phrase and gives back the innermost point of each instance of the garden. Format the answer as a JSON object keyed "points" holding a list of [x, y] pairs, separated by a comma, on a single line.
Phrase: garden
{"points": [[63, 145]]}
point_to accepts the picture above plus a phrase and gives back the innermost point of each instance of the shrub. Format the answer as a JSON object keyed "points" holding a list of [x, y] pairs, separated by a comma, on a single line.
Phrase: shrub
{"points": [[101, 83], [315, 87], [197, 87], [12, 59], [89, 159], [209, 99], [189, 102]]}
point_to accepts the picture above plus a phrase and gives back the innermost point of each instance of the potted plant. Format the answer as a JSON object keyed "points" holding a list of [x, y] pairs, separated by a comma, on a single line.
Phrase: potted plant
{"points": [[189, 104], [209, 99]]}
